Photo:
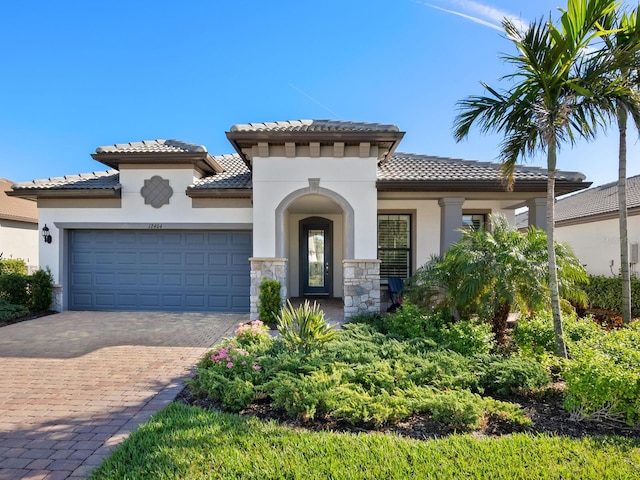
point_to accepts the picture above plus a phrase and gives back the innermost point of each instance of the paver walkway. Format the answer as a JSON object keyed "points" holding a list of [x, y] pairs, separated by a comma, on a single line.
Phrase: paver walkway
{"points": [[73, 385]]}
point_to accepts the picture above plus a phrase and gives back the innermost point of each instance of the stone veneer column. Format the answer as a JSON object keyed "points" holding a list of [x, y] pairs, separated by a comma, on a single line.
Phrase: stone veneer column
{"points": [[361, 287], [56, 304], [274, 268]]}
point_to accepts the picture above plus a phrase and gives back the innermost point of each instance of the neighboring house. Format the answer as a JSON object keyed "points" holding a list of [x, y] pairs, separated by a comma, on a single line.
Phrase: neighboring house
{"points": [[588, 221], [19, 236], [328, 208]]}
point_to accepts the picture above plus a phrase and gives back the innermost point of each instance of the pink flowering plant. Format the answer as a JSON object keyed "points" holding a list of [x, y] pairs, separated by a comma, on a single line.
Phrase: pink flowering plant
{"points": [[232, 361], [252, 333]]}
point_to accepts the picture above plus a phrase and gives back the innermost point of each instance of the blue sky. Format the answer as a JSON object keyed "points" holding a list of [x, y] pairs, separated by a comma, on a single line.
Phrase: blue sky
{"points": [[78, 74]]}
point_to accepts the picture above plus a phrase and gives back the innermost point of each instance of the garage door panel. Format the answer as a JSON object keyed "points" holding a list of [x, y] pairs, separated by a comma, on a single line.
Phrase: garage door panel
{"points": [[173, 271]]}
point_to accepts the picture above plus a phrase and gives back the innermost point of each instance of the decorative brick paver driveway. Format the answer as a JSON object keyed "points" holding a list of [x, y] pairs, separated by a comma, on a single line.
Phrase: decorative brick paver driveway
{"points": [[74, 384]]}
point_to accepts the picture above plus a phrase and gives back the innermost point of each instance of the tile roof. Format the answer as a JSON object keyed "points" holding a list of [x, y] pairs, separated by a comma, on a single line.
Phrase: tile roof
{"points": [[236, 174], [597, 200], [314, 126], [409, 166], [92, 181], [13, 208], [155, 146]]}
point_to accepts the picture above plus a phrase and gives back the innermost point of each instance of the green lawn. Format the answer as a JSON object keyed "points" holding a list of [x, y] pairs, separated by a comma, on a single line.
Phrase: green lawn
{"points": [[191, 443]]}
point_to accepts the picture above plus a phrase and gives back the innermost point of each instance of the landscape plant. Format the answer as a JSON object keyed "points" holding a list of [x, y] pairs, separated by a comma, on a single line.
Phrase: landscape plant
{"points": [[493, 271], [12, 265], [551, 100], [624, 41], [603, 376], [269, 302], [305, 328]]}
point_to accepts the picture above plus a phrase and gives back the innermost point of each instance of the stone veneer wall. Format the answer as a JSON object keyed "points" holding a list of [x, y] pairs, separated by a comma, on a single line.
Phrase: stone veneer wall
{"points": [[56, 304], [274, 268], [361, 287]]}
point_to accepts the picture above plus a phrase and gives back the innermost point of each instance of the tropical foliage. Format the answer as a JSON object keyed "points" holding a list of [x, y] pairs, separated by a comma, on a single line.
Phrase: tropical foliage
{"points": [[304, 328], [555, 96], [625, 41], [493, 271]]}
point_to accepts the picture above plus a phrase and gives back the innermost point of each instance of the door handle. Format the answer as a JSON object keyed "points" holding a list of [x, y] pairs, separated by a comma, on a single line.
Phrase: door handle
{"points": [[326, 268]]}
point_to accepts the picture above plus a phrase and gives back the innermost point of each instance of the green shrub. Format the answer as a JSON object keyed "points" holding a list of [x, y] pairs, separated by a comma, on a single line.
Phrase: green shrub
{"points": [[305, 328], [458, 408], [234, 394], [534, 336], [40, 290], [606, 292], [603, 376], [14, 288], [12, 265], [355, 405], [444, 369], [9, 311], [302, 396], [464, 336], [269, 303], [504, 376]]}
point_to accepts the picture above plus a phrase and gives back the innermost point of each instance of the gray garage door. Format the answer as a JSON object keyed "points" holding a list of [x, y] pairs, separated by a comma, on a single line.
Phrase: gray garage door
{"points": [[159, 270]]}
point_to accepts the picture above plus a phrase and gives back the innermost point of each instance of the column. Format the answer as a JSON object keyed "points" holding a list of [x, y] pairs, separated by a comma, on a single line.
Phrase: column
{"points": [[450, 221], [361, 287], [274, 268], [538, 212]]}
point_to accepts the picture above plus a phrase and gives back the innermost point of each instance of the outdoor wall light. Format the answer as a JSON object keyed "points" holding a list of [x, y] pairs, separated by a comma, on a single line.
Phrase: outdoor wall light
{"points": [[45, 234]]}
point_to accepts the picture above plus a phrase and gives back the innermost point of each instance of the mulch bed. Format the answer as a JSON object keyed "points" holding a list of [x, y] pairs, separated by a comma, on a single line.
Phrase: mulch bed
{"points": [[545, 410], [4, 323]]}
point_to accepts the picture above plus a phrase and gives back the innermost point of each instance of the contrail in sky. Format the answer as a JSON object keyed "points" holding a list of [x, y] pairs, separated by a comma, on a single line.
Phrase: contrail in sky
{"points": [[479, 13], [313, 100]]}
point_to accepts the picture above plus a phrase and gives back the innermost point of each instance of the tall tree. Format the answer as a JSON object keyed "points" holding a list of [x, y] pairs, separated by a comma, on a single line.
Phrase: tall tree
{"points": [[625, 41], [548, 104]]}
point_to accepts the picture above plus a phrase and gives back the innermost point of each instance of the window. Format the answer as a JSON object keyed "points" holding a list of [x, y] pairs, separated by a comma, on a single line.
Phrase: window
{"points": [[475, 221], [394, 245]]}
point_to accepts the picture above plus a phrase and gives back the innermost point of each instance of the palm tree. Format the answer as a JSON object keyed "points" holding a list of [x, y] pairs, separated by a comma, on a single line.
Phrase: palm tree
{"points": [[626, 40], [548, 104], [493, 271]]}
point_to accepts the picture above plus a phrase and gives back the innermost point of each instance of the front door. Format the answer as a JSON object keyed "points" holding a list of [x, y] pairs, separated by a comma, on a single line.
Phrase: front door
{"points": [[315, 256]]}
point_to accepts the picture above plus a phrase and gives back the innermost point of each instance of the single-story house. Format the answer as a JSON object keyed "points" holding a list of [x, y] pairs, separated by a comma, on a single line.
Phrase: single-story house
{"points": [[19, 235], [328, 208], [588, 221]]}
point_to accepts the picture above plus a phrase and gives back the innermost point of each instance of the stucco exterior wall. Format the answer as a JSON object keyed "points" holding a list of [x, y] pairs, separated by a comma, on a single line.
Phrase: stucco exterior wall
{"points": [[354, 179], [20, 240], [597, 244], [131, 212]]}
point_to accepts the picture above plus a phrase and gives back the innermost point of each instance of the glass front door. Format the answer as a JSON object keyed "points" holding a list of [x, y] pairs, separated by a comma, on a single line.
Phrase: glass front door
{"points": [[315, 256]]}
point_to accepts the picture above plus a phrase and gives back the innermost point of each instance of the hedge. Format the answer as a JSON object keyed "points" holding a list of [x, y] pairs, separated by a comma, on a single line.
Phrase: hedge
{"points": [[606, 293]]}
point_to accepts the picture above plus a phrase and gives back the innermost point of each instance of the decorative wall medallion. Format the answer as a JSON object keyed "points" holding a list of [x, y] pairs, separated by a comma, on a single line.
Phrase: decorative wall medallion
{"points": [[156, 191]]}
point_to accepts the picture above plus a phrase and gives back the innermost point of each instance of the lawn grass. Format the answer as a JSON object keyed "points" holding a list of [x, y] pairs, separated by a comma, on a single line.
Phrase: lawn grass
{"points": [[189, 442]]}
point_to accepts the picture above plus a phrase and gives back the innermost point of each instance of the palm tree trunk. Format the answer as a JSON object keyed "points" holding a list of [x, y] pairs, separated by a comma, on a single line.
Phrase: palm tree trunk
{"points": [[499, 323], [622, 215], [561, 348]]}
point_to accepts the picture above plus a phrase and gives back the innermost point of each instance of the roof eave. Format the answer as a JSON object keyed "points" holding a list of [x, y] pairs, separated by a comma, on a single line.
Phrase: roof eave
{"points": [[32, 193], [203, 161], [562, 187], [610, 215], [243, 139], [18, 218], [219, 192]]}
